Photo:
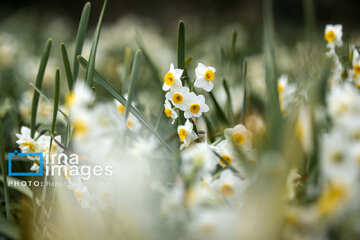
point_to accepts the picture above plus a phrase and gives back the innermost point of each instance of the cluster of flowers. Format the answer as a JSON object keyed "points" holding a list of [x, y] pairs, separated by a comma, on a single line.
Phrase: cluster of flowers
{"points": [[185, 100]]}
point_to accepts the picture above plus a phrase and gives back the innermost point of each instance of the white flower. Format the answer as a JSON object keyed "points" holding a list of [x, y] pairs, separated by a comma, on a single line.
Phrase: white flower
{"points": [[343, 99], [333, 35], [286, 92], [172, 78], [225, 150], [240, 136], [195, 106], [25, 142], [169, 111], [214, 224], [80, 191], [204, 77], [229, 185], [336, 163], [179, 97], [81, 96], [186, 134], [199, 158]]}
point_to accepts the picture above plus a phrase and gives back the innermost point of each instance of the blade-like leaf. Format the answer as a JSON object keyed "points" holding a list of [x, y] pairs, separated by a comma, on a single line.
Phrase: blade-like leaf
{"points": [[219, 112], [69, 76], [181, 45], [3, 171], [105, 84], [150, 62], [68, 123], [80, 38], [133, 79], [90, 69], [243, 109], [229, 102], [38, 83], [181, 59]]}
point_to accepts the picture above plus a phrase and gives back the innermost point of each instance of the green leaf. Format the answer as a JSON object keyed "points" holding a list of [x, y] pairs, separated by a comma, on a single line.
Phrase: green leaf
{"points": [[69, 76], [229, 102], [219, 112], [150, 62], [90, 69], [80, 38], [181, 45], [68, 123], [105, 84], [243, 109], [187, 61], [181, 59], [56, 103], [9, 229], [18, 187], [38, 83], [3, 170], [133, 79], [274, 116]]}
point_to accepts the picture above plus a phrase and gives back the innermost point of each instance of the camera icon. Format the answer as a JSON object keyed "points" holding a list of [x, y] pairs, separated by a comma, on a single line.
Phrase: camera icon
{"points": [[15, 153]]}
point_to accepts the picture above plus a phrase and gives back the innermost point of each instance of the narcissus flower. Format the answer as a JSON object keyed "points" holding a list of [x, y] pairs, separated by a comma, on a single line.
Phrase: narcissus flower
{"points": [[79, 97], [333, 35], [229, 185], [172, 78], [186, 134], [169, 111], [204, 77], [240, 136], [196, 106], [179, 97], [25, 142]]}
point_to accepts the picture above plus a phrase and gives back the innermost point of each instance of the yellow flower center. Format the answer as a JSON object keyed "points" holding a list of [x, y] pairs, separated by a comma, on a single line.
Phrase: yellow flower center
{"points": [[80, 128], [69, 99], [207, 228], [30, 145], [129, 123], [280, 88], [209, 75], [121, 109], [357, 69], [169, 79], [331, 198], [78, 195], [227, 190], [182, 133], [337, 157], [227, 158], [238, 139], [330, 36], [177, 98], [105, 197], [167, 112], [195, 108]]}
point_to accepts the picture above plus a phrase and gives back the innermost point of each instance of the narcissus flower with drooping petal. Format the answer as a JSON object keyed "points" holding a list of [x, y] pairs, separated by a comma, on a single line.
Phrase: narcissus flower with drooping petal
{"points": [[186, 134], [179, 97], [196, 106], [204, 77], [169, 111], [333, 35], [172, 78]]}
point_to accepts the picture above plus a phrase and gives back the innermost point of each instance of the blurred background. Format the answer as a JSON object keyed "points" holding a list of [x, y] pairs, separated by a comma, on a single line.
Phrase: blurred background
{"points": [[288, 15]]}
